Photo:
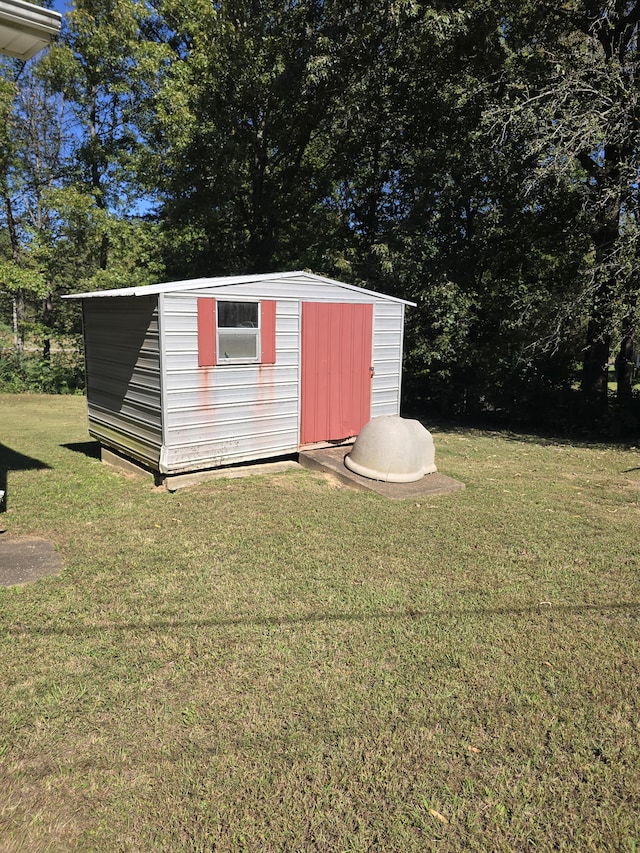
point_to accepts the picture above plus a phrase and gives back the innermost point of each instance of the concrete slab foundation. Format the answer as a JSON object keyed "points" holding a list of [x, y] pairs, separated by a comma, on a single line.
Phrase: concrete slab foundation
{"points": [[125, 464], [26, 560], [331, 460], [328, 460], [173, 482]]}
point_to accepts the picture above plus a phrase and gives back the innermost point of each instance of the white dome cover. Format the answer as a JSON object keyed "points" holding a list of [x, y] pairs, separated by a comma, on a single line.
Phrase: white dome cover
{"points": [[392, 449]]}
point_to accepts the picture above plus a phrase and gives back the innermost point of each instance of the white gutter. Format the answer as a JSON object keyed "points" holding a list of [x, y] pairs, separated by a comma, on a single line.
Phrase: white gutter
{"points": [[25, 28]]}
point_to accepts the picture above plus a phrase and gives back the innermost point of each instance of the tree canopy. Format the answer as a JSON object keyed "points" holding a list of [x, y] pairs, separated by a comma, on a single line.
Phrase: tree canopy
{"points": [[481, 160]]}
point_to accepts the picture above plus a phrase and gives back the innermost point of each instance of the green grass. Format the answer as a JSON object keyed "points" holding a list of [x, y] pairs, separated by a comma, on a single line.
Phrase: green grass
{"points": [[278, 664]]}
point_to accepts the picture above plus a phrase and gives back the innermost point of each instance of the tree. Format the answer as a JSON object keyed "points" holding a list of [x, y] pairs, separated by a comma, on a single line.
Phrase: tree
{"points": [[30, 163], [107, 65], [352, 138], [66, 187], [481, 160], [438, 215], [253, 110], [282, 125], [570, 90]]}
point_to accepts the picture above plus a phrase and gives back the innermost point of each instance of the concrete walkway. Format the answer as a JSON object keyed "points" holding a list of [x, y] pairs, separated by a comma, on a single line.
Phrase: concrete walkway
{"points": [[26, 560], [331, 460]]}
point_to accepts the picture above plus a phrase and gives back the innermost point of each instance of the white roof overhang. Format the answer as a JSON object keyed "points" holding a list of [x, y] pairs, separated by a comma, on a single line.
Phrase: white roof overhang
{"points": [[26, 28], [226, 281]]}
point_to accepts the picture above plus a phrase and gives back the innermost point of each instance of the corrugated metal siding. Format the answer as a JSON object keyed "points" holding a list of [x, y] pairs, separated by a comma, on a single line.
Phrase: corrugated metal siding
{"points": [[388, 324], [307, 289], [123, 375], [229, 413]]}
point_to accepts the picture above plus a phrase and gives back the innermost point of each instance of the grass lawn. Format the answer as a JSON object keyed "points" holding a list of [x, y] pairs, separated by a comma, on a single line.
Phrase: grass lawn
{"points": [[279, 664]]}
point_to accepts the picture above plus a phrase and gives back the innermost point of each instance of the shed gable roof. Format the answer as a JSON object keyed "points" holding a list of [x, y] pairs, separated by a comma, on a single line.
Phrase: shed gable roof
{"points": [[229, 281]]}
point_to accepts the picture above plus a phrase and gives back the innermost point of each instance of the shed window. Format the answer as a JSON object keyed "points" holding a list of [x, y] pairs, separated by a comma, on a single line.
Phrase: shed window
{"points": [[236, 332]]}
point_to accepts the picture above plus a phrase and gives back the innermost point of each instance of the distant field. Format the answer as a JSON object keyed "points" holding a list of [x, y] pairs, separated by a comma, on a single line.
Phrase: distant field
{"points": [[279, 664]]}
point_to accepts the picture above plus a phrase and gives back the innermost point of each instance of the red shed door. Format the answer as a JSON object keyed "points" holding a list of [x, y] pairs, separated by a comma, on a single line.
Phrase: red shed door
{"points": [[336, 370]]}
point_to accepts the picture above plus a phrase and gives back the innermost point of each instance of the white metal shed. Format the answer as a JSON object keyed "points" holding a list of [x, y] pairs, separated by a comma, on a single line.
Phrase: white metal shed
{"points": [[190, 375]]}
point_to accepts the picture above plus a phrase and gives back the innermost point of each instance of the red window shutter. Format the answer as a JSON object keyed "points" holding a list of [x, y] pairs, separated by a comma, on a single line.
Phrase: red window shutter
{"points": [[206, 332], [268, 332]]}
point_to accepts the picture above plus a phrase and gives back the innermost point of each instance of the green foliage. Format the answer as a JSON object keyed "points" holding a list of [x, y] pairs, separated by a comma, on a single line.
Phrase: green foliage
{"points": [[105, 65], [569, 94], [62, 373], [14, 277], [69, 175], [480, 160]]}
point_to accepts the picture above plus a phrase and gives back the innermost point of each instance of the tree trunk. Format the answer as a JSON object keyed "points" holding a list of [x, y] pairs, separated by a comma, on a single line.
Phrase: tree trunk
{"points": [[96, 176], [625, 368], [595, 373], [47, 319], [595, 367], [18, 319], [18, 299]]}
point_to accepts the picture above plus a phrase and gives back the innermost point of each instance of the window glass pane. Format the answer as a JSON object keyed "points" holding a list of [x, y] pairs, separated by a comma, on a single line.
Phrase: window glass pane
{"points": [[238, 315], [237, 345]]}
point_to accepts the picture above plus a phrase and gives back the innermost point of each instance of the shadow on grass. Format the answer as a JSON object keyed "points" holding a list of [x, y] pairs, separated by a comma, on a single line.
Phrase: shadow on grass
{"points": [[523, 434], [87, 448], [12, 460], [276, 621]]}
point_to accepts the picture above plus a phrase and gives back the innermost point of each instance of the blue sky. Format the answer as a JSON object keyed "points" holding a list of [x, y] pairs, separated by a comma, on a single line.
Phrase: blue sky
{"points": [[61, 5]]}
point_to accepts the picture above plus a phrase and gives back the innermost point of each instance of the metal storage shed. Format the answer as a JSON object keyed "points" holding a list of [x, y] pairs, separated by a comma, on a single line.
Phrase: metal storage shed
{"points": [[191, 375]]}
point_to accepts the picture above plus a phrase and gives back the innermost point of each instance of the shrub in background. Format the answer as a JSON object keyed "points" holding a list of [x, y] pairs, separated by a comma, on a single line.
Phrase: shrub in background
{"points": [[62, 373]]}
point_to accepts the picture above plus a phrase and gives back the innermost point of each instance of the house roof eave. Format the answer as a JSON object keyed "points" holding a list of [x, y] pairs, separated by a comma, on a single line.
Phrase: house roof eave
{"points": [[25, 29]]}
